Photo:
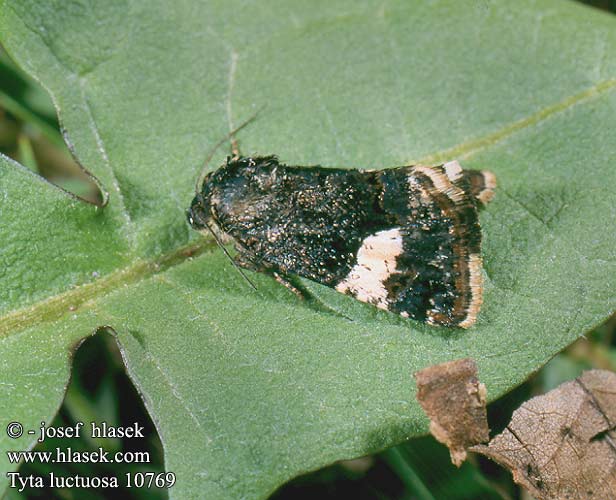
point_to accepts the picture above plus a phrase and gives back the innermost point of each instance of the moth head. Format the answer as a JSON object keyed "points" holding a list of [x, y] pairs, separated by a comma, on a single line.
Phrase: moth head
{"points": [[233, 194], [197, 215], [203, 209]]}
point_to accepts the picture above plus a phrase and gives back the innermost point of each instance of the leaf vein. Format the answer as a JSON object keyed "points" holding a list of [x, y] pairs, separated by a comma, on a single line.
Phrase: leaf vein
{"points": [[54, 307], [472, 147]]}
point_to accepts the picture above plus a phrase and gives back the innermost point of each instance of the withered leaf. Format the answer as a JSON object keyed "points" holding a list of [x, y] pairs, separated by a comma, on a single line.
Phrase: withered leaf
{"points": [[455, 401], [562, 445]]}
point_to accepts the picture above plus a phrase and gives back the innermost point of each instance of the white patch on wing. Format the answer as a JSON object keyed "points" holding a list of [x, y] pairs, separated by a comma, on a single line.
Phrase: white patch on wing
{"points": [[441, 182], [453, 170], [487, 193], [376, 261]]}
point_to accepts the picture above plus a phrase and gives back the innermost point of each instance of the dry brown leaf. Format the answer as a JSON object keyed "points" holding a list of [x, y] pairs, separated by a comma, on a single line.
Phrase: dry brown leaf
{"points": [[455, 401], [562, 445]]}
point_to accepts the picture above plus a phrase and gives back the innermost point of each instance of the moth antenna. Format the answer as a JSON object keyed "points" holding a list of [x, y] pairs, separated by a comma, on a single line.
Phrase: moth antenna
{"points": [[219, 143], [219, 243]]}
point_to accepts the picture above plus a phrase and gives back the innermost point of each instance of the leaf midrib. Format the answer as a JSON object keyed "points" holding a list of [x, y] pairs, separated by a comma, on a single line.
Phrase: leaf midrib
{"points": [[54, 307], [469, 148]]}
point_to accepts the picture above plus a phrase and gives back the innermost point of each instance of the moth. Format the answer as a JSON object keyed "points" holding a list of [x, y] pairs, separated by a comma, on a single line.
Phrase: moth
{"points": [[404, 239]]}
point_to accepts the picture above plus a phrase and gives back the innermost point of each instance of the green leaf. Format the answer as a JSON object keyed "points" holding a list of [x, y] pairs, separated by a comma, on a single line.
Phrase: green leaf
{"points": [[425, 466], [249, 389]]}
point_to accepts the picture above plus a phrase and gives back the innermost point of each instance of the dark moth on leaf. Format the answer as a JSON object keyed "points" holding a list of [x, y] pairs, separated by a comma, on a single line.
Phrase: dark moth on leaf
{"points": [[404, 239]]}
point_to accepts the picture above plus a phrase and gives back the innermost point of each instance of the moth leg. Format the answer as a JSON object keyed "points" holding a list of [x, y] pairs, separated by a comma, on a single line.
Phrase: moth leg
{"points": [[283, 281], [235, 148], [245, 261]]}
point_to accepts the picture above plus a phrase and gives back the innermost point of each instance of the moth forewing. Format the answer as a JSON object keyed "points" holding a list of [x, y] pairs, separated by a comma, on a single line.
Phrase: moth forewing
{"points": [[405, 239]]}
